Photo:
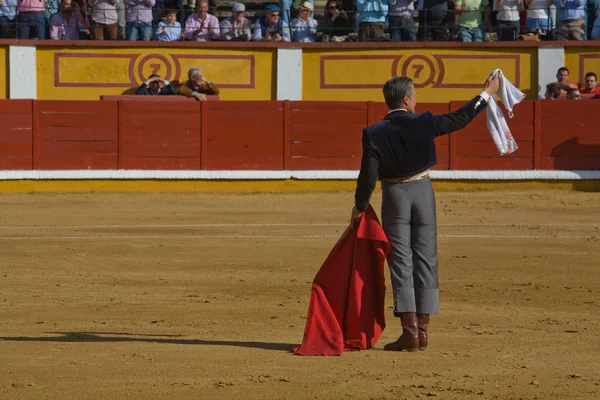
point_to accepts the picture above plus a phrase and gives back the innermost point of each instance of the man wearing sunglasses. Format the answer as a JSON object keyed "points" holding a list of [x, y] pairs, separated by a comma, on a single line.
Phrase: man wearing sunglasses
{"points": [[270, 27], [573, 94], [303, 26], [335, 22]]}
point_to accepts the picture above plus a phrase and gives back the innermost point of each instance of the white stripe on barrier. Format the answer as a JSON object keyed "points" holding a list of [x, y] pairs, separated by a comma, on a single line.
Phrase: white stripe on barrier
{"points": [[178, 237], [278, 175]]}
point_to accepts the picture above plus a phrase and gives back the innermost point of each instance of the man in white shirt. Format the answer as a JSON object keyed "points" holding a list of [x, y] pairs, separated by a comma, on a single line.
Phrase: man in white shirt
{"points": [[508, 25], [304, 28], [537, 15], [236, 27]]}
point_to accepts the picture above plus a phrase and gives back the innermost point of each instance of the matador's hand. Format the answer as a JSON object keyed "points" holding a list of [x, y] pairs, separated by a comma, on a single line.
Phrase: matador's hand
{"points": [[355, 217]]}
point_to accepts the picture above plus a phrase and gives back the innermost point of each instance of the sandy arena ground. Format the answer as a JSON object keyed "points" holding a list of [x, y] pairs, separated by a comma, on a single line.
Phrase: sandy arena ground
{"points": [[174, 296]]}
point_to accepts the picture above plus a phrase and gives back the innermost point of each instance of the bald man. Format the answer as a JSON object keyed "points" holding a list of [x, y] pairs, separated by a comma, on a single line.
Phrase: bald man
{"points": [[197, 86]]}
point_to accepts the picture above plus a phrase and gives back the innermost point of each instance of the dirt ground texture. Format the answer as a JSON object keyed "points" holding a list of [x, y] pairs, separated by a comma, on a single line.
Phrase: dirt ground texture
{"points": [[174, 296]]}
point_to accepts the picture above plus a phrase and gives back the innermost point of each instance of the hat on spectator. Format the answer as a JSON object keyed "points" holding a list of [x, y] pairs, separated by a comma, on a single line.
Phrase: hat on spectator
{"points": [[308, 5], [238, 7], [272, 7]]}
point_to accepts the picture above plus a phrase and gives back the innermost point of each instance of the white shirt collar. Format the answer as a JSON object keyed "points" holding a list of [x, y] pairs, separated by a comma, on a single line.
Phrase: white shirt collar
{"points": [[397, 109]]}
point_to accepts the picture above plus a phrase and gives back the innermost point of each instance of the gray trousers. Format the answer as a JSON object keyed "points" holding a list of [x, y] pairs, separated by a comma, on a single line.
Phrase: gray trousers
{"points": [[409, 221]]}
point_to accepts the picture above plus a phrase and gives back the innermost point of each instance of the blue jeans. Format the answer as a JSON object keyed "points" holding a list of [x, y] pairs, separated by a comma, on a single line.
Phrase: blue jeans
{"points": [[31, 25], [531, 24], [133, 30], [433, 23], [470, 35], [402, 29]]}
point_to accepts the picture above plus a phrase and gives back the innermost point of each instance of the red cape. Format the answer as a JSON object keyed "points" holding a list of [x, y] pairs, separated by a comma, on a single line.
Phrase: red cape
{"points": [[346, 310]]}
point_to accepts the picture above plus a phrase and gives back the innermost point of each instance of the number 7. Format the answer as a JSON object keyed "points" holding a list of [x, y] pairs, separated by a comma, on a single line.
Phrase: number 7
{"points": [[155, 68], [418, 68]]}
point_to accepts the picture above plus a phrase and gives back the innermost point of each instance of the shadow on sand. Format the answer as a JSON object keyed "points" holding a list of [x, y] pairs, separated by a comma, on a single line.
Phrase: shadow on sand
{"points": [[113, 337]]}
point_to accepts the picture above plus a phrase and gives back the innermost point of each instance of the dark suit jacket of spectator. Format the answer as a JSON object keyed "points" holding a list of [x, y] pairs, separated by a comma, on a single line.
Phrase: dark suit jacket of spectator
{"points": [[340, 27], [188, 87], [166, 90]]}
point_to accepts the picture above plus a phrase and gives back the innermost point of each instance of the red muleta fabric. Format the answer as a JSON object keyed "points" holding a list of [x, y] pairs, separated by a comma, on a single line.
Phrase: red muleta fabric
{"points": [[346, 310]]}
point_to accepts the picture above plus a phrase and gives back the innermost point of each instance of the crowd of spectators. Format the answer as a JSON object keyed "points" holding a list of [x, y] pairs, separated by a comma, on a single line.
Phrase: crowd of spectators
{"points": [[563, 88], [299, 21]]}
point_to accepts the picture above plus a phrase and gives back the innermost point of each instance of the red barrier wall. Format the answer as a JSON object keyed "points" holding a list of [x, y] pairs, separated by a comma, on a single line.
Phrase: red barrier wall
{"points": [[326, 135], [159, 135], [473, 148], [75, 135], [242, 135], [16, 134], [569, 136], [272, 135]]}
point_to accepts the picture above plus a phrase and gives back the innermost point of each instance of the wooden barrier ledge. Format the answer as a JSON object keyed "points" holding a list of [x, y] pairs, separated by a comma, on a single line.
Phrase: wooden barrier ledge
{"points": [[330, 45]]}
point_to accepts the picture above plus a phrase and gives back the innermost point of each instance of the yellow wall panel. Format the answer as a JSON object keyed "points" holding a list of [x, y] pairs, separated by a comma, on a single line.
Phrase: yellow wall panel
{"points": [[440, 75], [4, 72], [87, 73], [581, 60]]}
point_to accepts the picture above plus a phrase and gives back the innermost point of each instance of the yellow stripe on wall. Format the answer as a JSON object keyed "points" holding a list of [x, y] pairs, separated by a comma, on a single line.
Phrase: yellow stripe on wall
{"points": [[266, 186]]}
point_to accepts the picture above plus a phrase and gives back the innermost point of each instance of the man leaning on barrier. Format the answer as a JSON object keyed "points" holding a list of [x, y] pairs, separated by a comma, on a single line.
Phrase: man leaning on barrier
{"points": [[197, 86], [155, 86]]}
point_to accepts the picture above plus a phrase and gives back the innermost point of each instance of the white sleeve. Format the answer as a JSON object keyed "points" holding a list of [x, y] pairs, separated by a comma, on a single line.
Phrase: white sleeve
{"points": [[485, 96]]}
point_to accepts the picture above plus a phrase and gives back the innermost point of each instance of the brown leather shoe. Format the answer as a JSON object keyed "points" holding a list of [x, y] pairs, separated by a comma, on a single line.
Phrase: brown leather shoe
{"points": [[409, 340], [423, 321]]}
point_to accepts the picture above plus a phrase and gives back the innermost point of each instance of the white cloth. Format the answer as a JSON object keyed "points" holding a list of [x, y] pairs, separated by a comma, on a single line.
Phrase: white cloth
{"points": [[496, 123]]}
